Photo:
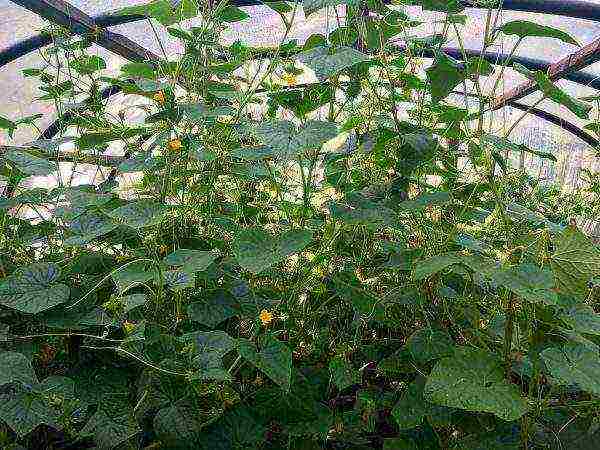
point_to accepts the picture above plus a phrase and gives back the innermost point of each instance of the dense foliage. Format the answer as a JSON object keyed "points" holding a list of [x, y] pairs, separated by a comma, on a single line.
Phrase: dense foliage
{"points": [[350, 262]]}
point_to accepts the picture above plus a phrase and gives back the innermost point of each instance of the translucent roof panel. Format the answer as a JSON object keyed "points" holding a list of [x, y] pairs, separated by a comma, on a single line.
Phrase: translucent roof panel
{"points": [[17, 23]]}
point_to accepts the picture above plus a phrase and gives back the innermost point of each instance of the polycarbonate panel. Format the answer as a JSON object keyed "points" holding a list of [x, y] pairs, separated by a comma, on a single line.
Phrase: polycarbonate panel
{"points": [[16, 24], [20, 100]]}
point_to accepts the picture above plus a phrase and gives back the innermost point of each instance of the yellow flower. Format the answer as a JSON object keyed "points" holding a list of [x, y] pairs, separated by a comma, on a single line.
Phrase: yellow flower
{"points": [[128, 327], [265, 317], [225, 119], [163, 249], [289, 78], [175, 145], [159, 97], [122, 258]]}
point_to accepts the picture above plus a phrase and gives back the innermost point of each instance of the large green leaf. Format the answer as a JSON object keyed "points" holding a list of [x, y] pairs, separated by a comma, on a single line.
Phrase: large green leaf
{"points": [[327, 62], [178, 426], [134, 274], [412, 407], [213, 310], [25, 408], [34, 289], [444, 75], [30, 164], [436, 264], [15, 367], [524, 28], [140, 214], [527, 281], [191, 260], [473, 380], [583, 319], [575, 262], [358, 210], [88, 227], [274, 359], [232, 14], [343, 374], [256, 250], [287, 140], [110, 432], [428, 344], [574, 364]]}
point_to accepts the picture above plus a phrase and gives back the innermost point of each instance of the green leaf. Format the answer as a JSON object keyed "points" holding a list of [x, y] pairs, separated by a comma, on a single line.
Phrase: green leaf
{"points": [[582, 319], [575, 262], [139, 69], [101, 138], [217, 342], [448, 6], [167, 12], [88, 227], [133, 274], [304, 101], [191, 260], [473, 380], [213, 310], [34, 289], [30, 164], [110, 432], [130, 302], [412, 407], [26, 408], [178, 427], [343, 374], [258, 153], [8, 125], [15, 367], [428, 344], [422, 201], [555, 93], [435, 264], [527, 281], [312, 6], [88, 64], [256, 250], [274, 359], [140, 214], [327, 62], [360, 211], [444, 75], [524, 28], [287, 141], [574, 364], [232, 14]]}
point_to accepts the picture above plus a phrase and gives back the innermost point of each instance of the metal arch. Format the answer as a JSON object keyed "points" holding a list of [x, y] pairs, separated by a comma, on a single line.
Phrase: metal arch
{"points": [[570, 8], [62, 13], [559, 121], [34, 43], [584, 57]]}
